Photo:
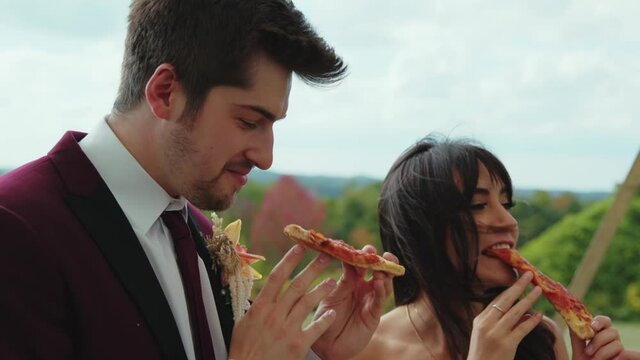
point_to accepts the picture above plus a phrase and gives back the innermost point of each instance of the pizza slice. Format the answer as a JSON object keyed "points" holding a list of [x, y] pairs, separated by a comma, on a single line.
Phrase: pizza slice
{"points": [[572, 310], [341, 250]]}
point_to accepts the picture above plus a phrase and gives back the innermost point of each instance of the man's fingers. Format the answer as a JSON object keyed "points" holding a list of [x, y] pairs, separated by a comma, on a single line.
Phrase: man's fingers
{"points": [[318, 326], [389, 256], [370, 249], [280, 274], [308, 302], [300, 284], [379, 296]]}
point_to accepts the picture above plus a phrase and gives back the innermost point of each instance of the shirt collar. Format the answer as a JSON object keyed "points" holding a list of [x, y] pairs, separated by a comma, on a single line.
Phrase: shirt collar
{"points": [[141, 198]]}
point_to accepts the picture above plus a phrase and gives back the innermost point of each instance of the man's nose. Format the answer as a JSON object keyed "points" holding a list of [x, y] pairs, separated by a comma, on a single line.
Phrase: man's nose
{"points": [[261, 154]]}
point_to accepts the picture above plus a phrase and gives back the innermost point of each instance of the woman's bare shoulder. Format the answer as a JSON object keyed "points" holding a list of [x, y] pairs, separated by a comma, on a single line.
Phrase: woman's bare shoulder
{"points": [[392, 338]]}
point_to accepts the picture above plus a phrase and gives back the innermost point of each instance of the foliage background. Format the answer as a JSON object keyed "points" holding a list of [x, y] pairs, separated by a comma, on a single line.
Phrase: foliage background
{"points": [[555, 228]]}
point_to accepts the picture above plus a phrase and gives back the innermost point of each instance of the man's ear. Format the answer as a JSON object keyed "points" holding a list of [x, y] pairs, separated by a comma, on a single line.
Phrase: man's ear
{"points": [[164, 94]]}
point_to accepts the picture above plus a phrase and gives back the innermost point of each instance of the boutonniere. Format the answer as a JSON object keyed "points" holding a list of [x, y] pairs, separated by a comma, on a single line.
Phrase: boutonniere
{"points": [[235, 262]]}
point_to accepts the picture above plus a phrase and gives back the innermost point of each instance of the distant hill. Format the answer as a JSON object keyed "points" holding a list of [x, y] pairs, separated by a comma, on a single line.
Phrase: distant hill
{"points": [[323, 186], [327, 186], [590, 196]]}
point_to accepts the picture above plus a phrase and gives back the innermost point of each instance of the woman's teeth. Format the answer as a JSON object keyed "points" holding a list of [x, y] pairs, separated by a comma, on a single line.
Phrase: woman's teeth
{"points": [[501, 246]]}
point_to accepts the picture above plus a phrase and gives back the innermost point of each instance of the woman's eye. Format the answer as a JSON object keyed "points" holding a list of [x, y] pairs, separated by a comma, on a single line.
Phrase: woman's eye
{"points": [[478, 206], [509, 204]]}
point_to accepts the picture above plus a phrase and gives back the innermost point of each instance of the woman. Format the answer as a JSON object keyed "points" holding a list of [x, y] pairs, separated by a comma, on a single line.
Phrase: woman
{"points": [[443, 204]]}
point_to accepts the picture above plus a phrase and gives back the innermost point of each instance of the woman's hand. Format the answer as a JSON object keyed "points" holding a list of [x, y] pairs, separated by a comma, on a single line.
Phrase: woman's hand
{"points": [[605, 344], [500, 327]]}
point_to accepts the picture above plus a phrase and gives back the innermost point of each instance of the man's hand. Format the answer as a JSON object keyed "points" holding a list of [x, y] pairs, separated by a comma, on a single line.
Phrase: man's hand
{"points": [[358, 305], [272, 328]]}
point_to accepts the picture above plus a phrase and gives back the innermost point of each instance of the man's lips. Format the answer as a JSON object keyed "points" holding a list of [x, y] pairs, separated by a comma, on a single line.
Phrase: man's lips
{"points": [[240, 170], [240, 174]]}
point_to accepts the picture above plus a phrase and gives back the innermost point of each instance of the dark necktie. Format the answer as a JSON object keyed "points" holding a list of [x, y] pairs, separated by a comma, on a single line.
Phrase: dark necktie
{"points": [[188, 264]]}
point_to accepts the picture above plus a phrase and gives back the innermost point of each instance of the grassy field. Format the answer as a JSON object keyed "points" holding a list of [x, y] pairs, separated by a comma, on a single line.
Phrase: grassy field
{"points": [[630, 333]]}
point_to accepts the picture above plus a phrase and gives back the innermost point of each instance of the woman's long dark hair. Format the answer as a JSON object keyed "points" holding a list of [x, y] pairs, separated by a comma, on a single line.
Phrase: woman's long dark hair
{"points": [[421, 204]]}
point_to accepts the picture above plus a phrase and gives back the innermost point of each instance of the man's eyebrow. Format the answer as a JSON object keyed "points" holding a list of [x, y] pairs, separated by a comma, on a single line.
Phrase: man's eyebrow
{"points": [[264, 112]]}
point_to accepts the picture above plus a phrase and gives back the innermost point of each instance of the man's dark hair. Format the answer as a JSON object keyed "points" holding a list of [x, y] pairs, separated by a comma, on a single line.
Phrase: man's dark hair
{"points": [[211, 43]]}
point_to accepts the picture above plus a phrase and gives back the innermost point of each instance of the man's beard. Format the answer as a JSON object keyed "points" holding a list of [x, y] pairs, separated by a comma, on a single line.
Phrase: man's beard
{"points": [[204, 194]]}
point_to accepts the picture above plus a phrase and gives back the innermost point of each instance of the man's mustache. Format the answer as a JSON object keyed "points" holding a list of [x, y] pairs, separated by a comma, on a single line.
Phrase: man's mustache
{"points": [[239, 165]]}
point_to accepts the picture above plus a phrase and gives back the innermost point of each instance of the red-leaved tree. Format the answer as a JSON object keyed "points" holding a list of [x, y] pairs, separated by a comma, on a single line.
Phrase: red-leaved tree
{"points": [[287, 202]]}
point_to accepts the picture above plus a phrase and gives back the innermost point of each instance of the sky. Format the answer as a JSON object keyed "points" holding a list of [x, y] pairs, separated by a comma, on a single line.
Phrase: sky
{"points": [[550, 86]]}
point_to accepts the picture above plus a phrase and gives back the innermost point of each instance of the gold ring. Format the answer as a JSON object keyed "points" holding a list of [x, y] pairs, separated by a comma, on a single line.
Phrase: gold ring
{"points": [[498, 308]]}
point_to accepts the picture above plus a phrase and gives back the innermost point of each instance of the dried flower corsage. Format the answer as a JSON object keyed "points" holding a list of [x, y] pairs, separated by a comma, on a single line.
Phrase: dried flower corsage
{"points": [[235, 262]]}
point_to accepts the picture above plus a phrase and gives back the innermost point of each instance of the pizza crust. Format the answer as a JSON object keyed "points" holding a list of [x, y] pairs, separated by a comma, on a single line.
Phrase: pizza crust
{"points": [[341, 250]]}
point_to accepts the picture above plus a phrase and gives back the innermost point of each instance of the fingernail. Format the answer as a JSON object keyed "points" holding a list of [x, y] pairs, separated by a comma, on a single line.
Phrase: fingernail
{"points": [[329, 314], [324, 258], [537, 290], [330, 282], [595, 325], [528, 275], [588, 349], [298, 249]]}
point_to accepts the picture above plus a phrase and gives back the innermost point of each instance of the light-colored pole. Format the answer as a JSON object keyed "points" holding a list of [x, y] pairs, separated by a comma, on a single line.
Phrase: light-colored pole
{"points": [[601, 240]]}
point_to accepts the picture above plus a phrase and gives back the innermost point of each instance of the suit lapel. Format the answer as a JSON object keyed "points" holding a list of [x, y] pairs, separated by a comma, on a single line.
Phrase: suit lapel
{"points": [[221, 294], [96, 208]]}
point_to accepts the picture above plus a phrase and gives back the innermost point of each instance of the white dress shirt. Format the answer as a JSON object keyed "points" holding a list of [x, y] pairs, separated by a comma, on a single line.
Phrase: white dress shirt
{"points": [[143, 200]]}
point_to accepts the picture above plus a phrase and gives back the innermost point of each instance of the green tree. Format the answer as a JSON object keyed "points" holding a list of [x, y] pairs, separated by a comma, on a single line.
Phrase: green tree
{"points": [[558, 251], [354, 212], [246, 206], [541, 211]]}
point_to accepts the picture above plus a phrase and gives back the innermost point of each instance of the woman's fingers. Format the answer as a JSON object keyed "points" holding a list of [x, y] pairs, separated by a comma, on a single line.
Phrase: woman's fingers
{"points": [[609, 351], [514, 315], [606, 343], [601, 322], [504, 301], [577, 345], [601, 339], [524, 327]]}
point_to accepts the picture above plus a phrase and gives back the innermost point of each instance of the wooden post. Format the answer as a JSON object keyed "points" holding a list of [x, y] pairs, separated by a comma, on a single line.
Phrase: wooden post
{"points": [[601, 240]]}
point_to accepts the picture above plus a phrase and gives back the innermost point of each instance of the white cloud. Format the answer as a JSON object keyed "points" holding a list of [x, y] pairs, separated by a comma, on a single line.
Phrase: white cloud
{"points": [[550, 86]]}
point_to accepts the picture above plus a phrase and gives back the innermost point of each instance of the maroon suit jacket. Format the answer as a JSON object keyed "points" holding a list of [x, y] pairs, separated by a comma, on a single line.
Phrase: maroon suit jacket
{"points": [[75, 282]]}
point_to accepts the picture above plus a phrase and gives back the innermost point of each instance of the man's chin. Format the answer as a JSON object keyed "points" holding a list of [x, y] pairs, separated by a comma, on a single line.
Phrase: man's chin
{"points": [[218, 203]]}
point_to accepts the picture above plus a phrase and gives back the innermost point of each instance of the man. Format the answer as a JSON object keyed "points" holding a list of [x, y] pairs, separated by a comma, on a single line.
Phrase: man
{"points": [[92, 262]]}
